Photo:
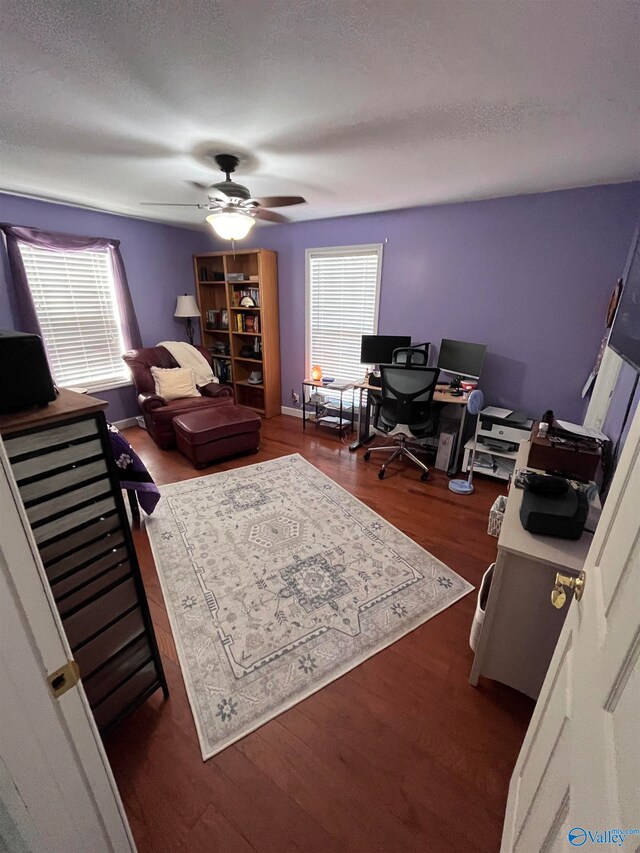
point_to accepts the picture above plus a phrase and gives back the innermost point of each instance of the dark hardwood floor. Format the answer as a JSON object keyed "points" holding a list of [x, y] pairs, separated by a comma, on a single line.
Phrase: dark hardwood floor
{"points": [[399, 755]]}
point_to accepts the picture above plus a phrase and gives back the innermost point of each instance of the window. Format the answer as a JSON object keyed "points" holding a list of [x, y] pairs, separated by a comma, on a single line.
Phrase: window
{"points": [[343, 287], [76, 304]]}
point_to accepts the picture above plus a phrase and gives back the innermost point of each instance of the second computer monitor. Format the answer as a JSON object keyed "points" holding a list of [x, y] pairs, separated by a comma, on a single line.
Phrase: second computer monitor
{"points": [[378, 349], [461, 358]]}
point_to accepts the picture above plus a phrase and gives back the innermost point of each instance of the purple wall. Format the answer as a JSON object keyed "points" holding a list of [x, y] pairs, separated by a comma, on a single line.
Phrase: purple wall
{"points": [[529, 275], [157, 259]]}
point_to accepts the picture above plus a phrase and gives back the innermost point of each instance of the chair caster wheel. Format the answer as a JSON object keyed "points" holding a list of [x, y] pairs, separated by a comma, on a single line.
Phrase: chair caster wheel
{"points": [[381, 475], [424, 478], [367, 456]]}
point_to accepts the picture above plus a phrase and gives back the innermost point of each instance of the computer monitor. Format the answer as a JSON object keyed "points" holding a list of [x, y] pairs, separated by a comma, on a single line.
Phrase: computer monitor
{"points": [[461, 358], [378, 349]]}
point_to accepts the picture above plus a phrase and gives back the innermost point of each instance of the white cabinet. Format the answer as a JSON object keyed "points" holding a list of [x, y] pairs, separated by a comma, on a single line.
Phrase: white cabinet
{"points": [[503, 463], [521, 626]]}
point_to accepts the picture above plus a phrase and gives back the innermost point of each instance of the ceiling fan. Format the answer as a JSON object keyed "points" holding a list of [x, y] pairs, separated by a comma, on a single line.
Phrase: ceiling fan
{"points": [[232, 209]]}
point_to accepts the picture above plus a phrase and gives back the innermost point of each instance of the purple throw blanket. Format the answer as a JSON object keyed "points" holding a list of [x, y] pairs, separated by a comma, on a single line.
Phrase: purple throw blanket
{"points": [[132, 471]]}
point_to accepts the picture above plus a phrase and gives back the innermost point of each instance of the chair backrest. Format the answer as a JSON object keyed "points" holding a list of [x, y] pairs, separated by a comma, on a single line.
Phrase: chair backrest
{"points": [[407, 396], [140, 361], [418, 356]]}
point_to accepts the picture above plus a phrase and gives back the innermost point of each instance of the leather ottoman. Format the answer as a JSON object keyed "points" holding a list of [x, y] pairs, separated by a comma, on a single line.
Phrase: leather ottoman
{"points": [[211, 433]]}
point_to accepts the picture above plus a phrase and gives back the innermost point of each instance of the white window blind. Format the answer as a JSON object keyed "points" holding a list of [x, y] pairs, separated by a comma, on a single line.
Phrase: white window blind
{"points": [[75, 301], [342, 305]]}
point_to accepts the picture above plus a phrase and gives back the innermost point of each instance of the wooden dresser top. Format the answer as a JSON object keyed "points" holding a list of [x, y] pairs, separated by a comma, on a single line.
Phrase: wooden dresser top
{"points": [[67, 405]]}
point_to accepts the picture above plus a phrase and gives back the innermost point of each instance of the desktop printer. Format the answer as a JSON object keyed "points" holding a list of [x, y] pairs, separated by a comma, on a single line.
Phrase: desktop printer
{"points": [[502, 430]]}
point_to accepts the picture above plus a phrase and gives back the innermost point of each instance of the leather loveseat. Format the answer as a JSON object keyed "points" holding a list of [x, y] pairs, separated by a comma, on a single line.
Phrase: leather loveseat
{"points": [[158, 412]]}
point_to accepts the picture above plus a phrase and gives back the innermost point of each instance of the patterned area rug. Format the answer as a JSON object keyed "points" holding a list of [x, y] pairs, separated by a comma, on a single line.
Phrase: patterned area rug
{"points": [[277, 581]]}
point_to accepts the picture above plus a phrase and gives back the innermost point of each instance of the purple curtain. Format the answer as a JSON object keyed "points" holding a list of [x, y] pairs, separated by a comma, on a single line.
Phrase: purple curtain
{"points": [[26, 316]]}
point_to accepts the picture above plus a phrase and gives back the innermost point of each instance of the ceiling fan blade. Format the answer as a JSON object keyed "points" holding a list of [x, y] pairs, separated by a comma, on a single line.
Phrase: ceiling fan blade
{"points": [[281, 200], [200, 186], [270, 215], [166, 204]]}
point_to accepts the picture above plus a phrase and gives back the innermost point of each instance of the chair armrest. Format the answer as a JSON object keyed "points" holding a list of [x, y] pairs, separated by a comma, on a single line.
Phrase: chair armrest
{"points": [[149, 402], [216, 389]]}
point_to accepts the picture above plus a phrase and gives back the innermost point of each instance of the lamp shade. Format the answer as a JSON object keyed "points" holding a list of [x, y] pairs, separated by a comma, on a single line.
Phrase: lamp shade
{"points": [[231, 224], [186, 306]]}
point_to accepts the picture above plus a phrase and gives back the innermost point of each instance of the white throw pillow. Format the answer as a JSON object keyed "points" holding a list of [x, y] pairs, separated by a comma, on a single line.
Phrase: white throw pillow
{"points": [[174, 382]]}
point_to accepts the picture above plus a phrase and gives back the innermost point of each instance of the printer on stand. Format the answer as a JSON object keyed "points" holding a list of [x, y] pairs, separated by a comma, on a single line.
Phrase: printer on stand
{"points": [[500, 432], [503, 432]]}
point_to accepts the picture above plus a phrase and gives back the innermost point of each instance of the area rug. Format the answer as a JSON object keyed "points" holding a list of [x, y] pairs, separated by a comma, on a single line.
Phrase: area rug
{"points": [[277, 581]]}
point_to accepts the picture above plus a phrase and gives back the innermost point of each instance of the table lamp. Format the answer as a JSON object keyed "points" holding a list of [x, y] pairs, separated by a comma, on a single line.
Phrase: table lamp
{"points": [[187, 307]]}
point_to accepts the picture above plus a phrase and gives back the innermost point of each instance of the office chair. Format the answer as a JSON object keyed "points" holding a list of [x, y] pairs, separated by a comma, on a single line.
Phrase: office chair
{"points": [[406, 412], [416, 355]]}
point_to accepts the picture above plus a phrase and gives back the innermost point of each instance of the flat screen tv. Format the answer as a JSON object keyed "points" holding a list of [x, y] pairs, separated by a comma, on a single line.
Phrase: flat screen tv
{"points": [[625, 333]]}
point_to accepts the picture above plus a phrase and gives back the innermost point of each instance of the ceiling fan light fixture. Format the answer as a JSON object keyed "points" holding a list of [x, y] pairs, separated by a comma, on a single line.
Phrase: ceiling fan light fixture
{"points": [[231, 224]]}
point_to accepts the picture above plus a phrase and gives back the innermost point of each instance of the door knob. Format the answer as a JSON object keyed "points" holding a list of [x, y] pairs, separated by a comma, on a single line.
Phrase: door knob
{"points": [[558, 594]]}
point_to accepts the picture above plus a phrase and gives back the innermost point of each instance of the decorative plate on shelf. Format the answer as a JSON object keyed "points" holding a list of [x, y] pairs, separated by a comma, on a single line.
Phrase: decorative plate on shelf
{"points": [[247, 302]]}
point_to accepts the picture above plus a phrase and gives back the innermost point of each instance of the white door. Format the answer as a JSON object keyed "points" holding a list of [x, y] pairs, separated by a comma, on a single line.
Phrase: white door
{"points": [[57, 792], [578, 773]]}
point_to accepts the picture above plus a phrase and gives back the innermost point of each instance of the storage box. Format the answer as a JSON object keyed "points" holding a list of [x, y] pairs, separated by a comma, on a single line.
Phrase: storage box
{"points": [[575, 459], [446, 441], [496, 514]]}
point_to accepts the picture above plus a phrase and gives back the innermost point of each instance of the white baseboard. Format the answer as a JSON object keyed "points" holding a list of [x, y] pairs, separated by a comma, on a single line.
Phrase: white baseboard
{"points": [[289, 410], [126, 423]]}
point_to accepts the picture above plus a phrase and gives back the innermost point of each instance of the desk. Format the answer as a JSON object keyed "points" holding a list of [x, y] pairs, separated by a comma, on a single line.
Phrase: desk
{"points": [[441, 395], [521, 626]]}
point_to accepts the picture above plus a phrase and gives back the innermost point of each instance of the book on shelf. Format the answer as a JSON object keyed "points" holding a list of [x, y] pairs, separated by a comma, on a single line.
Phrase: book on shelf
{"points": [[250, 323], [222, 369], [212, 318], [252, 293], [247, 322]]}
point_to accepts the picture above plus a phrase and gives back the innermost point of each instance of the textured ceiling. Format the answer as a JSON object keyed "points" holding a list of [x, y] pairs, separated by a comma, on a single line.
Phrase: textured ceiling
{"points": [[358, 105]]}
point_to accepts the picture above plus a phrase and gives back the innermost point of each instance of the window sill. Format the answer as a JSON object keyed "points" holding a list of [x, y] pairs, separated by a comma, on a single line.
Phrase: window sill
{"points": [[107, 385]]}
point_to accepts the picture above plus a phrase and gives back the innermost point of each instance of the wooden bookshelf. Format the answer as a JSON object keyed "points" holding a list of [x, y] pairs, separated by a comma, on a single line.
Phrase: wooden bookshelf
{"points": [[226, 326]]}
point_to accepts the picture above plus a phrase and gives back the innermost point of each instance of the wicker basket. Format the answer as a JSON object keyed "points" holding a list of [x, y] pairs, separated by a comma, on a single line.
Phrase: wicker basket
{"points": [[496, 514]]}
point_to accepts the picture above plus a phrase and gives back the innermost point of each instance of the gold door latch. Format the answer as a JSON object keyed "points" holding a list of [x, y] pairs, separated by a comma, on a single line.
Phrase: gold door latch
{"points": [[64, 679], [558, 594]]}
